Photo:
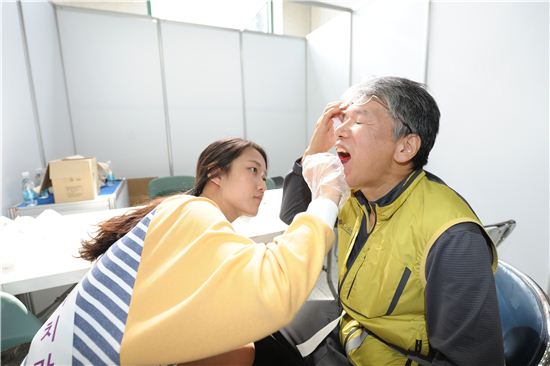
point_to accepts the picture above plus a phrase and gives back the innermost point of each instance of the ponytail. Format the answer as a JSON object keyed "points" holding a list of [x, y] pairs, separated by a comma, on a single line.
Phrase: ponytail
{"points": [[113, 229]]}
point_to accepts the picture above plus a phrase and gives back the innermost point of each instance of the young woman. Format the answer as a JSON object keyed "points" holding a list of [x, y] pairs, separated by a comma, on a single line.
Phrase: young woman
{"points": [[173, 282]]}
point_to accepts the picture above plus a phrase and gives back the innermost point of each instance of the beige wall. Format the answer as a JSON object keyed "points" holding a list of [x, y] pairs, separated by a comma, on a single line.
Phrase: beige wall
{"points": [[300, 19], [320, 16], [296, 19]]}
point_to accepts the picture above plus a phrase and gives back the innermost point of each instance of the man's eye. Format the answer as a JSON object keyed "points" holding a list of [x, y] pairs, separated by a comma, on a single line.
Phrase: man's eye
{"points": [[253, 169], [358, 122]]}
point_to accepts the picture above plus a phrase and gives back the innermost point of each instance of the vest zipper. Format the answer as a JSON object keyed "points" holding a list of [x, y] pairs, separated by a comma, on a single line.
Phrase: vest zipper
{"points": [[346, 258], [373, 209]]}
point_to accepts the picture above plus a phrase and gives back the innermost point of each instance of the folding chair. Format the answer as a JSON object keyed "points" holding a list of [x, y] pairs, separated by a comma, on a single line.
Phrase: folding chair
{"points": [[164, 186], [18, 324]]}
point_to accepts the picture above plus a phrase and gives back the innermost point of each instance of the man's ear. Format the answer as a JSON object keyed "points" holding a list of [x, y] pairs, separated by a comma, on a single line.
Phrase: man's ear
{"points": [[407, 148]]}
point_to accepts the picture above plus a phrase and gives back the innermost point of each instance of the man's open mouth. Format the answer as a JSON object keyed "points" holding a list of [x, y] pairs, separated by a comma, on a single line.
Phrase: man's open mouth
{"points": [[343, 155]]}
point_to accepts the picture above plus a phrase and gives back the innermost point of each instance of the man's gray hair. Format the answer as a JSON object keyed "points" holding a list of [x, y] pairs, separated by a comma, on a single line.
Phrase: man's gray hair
{"points": [[410, 105]]}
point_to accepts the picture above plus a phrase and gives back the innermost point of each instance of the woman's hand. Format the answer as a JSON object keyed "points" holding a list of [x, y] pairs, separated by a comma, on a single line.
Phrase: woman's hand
{"points": [[324, 174]]}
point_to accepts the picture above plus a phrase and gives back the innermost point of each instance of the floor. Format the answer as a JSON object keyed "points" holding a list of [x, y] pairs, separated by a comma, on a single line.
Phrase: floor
{"points": [[321, 291]]}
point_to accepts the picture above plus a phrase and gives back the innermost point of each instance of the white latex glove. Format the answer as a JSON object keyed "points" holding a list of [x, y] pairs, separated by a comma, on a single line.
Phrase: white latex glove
{"points": [[324, 174]]}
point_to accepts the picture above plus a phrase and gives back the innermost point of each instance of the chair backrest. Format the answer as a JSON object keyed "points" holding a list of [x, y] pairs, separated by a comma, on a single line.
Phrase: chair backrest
{"points": [[525, 317], [277, 182], [270, 183], [164, 186], [500, 231], [18, 324]]}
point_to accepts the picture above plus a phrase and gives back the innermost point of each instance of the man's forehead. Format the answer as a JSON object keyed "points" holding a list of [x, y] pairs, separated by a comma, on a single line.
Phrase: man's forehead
{"points": [[361, 109], [366, 105]]}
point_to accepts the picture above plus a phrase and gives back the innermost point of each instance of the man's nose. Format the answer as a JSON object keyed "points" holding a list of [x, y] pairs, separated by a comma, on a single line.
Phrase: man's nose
{"points": [[342, 130]]}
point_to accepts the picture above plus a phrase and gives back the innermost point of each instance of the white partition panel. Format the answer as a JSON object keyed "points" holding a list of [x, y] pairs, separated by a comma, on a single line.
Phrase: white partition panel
{"points": [[328, 66], [49, 84], [20, 149], [389, 38], [274, 87], [490, 79], [113, 74], [203, 83]]}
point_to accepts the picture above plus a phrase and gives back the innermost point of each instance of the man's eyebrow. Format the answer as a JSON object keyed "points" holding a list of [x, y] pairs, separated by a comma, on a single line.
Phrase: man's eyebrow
{"points": [[359, 111]]}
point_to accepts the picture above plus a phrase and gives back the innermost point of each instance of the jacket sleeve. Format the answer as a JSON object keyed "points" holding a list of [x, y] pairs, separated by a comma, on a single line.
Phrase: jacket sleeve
{"points": [[461, 303], [202, 289], [296, 194]]}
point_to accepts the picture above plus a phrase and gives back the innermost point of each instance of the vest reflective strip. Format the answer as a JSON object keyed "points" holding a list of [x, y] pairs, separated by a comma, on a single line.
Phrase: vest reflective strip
{"points": [[355, 342]]}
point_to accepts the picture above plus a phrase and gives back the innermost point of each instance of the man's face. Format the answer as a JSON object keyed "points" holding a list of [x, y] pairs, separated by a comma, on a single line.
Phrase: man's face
{"points": [[365, 144]]}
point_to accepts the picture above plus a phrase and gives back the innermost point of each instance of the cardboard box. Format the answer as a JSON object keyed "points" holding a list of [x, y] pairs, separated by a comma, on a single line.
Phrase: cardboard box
{"points": [[73, 178], [138, 189]]}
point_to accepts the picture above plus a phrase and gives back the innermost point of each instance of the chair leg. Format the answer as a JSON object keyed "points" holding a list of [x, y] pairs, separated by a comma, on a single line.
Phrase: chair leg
{"points": [[15, 356]]}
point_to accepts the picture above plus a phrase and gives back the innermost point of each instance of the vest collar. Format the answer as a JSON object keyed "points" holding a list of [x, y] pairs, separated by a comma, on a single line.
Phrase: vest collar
{"points": [[388, 204]]}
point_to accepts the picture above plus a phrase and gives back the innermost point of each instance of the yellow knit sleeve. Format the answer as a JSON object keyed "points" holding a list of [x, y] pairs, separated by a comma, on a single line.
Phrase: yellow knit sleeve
{"points": [[202, 289]]}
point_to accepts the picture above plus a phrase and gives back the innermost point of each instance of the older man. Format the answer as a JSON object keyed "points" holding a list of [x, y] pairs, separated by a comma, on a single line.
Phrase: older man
{"points": [[415, 265]]}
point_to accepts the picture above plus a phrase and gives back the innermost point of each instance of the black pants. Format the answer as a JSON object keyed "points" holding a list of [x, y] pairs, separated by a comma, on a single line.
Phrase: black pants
{"points": [[280, 347]]}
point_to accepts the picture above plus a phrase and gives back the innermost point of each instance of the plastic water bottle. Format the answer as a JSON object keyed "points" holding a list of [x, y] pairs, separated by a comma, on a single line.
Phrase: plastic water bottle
{"points": [[38, 173], [29, 195], [110, 178]]}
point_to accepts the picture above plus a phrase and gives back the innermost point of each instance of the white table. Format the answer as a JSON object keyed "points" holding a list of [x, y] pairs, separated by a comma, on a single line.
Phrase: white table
{"points": [[40, 253], [108, 198]]}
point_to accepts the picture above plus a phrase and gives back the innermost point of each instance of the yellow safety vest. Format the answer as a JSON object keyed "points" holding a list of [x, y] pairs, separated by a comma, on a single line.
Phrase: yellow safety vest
{"points": [[382, 293]]}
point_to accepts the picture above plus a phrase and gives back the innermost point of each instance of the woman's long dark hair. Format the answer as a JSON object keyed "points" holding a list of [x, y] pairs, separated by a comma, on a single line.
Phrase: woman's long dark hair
{"points": [[213, 161]]}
